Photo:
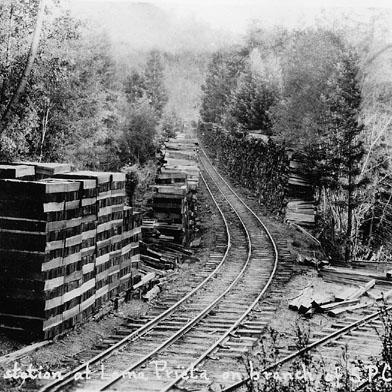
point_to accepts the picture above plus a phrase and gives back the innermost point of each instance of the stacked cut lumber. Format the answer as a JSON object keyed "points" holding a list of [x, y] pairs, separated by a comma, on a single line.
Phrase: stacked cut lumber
{"points": [[89, 205], [40, 252], [174, 198], [110, 204], [300, 208], [311, 301], [67, 245]]}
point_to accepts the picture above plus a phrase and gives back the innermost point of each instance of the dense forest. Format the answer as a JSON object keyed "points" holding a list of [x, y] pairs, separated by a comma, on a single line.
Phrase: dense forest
{"points": [[66, 94], [326, 95]]}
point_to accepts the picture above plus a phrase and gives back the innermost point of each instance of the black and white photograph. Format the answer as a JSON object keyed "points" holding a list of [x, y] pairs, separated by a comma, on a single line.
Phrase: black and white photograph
{"points": [[195, 195]]}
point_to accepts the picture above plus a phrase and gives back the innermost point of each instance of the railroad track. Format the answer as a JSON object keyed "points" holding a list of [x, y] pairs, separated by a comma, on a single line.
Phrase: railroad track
{"points": [[194, 328], [357, 335]]}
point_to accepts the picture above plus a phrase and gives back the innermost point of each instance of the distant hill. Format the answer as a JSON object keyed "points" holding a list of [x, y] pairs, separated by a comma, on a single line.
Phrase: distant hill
{"points": [[144, 26]]}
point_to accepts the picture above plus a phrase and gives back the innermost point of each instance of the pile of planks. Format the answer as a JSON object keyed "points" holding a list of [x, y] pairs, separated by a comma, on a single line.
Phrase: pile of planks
{"points": [[174, 198], [300, 207], [172, 222], [67, 246], [162, 254], [311, 301]]}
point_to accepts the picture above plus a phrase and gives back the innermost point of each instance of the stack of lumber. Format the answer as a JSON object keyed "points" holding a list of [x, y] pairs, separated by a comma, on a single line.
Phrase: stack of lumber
{"points": [[180, 155], [311, 301], [170, 209], [110, 202], [68, 245], [40, 251], [252, 163], [174, 198], [300, 207]]}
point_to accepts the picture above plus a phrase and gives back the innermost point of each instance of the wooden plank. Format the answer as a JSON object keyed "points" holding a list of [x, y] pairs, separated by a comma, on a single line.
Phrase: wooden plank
{"points": [[15, 172], [16, 355], [363, 290], [145, 279], [320, 299], [47, 168], [345, 294], [336, 312], [335, 305]]}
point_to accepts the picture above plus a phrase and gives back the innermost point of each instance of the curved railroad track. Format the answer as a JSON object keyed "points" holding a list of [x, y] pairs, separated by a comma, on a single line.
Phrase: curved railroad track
{"points": [[192, 329]]}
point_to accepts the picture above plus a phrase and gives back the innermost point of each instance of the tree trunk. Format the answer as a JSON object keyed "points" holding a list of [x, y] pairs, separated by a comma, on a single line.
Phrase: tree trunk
{"points": [[45, 120], [29, 65], [349, 215]]}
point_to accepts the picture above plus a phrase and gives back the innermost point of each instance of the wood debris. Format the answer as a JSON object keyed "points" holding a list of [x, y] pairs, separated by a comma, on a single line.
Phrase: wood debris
{"points": [[311, 301]]}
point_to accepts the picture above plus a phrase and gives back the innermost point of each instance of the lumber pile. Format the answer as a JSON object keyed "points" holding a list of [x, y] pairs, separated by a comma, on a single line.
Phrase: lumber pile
{"points": [[311, 301], [262, 164], [68, 245], [174, 198], [300, 208], [258, 164], [172, 222], [162, 254]]}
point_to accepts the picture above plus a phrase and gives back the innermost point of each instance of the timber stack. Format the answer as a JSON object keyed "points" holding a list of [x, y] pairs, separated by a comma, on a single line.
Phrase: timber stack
{"points": [[68, 245], [300, 207], [262, 164], [173, 220]]}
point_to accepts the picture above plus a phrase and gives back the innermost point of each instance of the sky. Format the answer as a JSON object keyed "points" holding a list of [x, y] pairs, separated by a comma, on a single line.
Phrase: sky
{"points": [[168, 23], [235, 15]]}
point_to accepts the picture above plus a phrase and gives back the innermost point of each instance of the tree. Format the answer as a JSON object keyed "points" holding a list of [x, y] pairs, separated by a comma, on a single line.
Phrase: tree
{"points": [[137, 139], [344, 109], [307, 65], [222, 73], [170, 124], [154, 82], [134, 86], [251, 101], [29, 63]]}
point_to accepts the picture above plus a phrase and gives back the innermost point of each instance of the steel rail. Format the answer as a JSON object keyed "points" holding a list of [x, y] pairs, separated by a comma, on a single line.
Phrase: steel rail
{"points": [[81, 369], [197, 318], [202, 357], [312, 346]]}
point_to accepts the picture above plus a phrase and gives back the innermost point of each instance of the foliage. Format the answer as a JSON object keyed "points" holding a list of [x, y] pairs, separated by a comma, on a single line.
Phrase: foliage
{"points": [[137, 141], [75, 107], [249, 104], [154, 82], [308, 90], [170, 124], [221, 79], [254, 164]]}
